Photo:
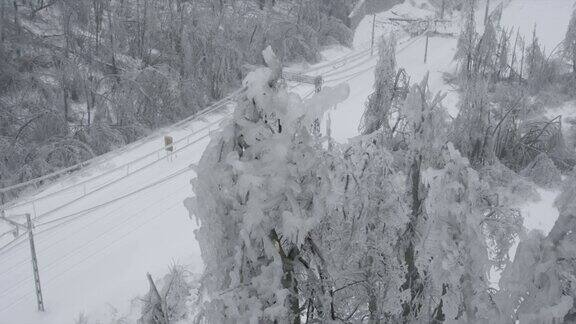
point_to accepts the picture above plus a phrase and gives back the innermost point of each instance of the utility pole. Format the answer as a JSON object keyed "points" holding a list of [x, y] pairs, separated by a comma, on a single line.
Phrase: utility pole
{"points": [[35, 265], [426, 49], [2, 212], [373, 27]]}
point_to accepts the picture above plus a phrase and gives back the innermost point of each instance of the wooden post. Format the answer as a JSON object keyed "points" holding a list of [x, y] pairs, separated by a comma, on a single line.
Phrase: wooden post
{"points": [[168, 140], [35, 265], [373, 26], [318, 84], [169, 146], [426, 49]]}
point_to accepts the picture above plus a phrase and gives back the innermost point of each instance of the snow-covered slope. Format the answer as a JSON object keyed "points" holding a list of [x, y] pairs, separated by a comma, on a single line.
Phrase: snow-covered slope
{"points": [[94, 250]]}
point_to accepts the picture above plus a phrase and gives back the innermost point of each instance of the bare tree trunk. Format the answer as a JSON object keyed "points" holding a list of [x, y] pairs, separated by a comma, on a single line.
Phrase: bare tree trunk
{"points": [[143, 26], [513, 61], [112, 42], [2, 23], [89, 94], [289, 280], [16, 23], [98, 7], [65, 97], [412, 275], [372, 307]]}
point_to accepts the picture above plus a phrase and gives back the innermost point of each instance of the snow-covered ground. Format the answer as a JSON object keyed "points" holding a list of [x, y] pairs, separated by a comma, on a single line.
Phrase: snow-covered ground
{"points": [[95, 260]]}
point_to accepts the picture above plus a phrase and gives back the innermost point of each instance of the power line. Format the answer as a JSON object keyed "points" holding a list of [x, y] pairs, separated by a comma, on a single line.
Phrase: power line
{"points": [[6, 271], [49, 281], [72, 252], [84, 211]]}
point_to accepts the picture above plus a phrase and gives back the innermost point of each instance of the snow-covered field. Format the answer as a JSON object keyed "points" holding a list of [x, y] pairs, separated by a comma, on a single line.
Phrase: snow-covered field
{"points": [[95, 259]]}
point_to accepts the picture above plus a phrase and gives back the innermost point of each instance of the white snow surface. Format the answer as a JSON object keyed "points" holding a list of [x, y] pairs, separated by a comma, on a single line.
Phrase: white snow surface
{"points": [[95, 261]]}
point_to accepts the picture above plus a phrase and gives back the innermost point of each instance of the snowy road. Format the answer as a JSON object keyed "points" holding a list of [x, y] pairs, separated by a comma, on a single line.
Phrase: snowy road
{"points": [[136, 223]]}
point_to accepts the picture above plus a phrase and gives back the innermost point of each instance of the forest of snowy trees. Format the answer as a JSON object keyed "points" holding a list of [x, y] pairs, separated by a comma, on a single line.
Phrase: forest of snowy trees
{"points": [[414, 220], [404, 223], [79, 78]]}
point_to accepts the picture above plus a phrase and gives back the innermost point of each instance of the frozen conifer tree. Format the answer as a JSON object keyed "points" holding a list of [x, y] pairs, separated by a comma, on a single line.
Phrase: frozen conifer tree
{"points": [[485, 54], [257, 188], [380, 101], [452, 257], [422, 136], [471, 130], [536, 62], [451, 219], [467, 40]]}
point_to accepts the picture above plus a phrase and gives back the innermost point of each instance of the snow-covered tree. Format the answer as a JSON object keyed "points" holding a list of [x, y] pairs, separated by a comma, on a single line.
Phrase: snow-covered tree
{"points": [[379, 104], [168, 299], [257, 203], [485, 59], [471, 131], [362, 231], [422, 136], [542, 70], [546, 293], [453, 226], [467, 39], [452, 254]]}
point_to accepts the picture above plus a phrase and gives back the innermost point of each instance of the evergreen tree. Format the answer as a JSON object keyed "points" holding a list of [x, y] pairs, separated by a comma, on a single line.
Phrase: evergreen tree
{"points": [[379, 105], [451, 219], [452, 254], [467, 40], [471, 132], [257, 203], [423, 134]]}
